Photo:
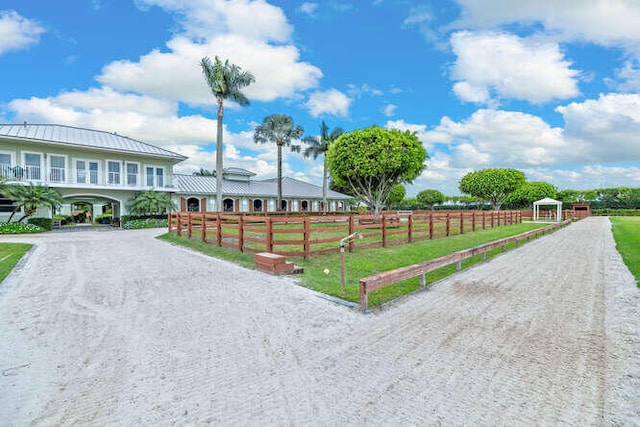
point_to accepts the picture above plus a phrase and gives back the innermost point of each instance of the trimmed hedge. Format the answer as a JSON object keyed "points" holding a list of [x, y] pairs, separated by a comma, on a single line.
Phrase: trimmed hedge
{"points": [[44, 223]]}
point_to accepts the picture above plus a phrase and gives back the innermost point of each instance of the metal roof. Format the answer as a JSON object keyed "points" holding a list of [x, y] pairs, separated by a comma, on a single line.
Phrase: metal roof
{"points": [[191, 184], [80, 137]]}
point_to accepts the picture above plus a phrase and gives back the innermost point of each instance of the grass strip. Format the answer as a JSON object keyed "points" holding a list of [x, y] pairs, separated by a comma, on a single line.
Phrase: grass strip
{"points": [[10, 254], [626, 233], [365, 262]]}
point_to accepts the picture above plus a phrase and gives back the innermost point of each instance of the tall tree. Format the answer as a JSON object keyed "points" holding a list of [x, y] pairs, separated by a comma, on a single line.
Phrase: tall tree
{"points": [[226, 81], [369, 162], [492, 185], [31, 197], [319, 145], [278, 128]]}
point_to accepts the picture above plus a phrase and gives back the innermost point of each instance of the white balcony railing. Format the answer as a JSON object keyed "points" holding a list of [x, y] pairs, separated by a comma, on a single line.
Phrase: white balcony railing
{"points": [[73, 176]]}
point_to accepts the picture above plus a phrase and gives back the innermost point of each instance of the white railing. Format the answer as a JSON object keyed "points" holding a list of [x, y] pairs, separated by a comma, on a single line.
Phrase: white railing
{"points": [[72, 176]]}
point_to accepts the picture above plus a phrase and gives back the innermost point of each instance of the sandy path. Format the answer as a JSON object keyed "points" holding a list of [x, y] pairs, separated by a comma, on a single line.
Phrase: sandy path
{"points": [[116, 327]]}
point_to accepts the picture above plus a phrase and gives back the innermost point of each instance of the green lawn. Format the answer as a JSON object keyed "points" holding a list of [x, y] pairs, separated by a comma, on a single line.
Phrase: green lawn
{"points": [[366, 262], [626, 232], [10, 254]]}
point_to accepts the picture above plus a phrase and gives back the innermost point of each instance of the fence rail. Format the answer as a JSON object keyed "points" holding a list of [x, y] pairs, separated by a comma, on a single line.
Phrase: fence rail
{"points": [[388, 278], [307, 235]]}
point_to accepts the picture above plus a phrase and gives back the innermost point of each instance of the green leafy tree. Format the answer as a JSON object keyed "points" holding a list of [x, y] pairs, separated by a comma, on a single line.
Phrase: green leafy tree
{"points": [[369, 162], [278, 128], [150, 202], [226, 81], [530, 192], [31, 197], [492, 185], [430, 198], [396, 195], [318, 145]]}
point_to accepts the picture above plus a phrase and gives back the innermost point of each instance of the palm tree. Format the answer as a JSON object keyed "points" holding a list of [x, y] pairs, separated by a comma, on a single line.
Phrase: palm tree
{"points": [[150, 202], [31, 198], [226, 82], [319, 145], [278, 128]]}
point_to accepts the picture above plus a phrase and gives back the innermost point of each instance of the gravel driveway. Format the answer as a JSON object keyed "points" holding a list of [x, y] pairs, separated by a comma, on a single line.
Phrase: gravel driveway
{"points": [[116, 327]]}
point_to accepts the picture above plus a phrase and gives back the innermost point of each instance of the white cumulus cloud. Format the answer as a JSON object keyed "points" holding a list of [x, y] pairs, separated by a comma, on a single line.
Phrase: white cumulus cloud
{"points": [[17, 32], [509, 66], [332, 102]]}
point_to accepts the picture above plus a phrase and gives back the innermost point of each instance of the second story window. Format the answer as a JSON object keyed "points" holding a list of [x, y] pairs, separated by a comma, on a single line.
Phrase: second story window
{"points": [[155, 176], [6, 170], [132, 174], [56, 168], [32, 166], [113, 176]]}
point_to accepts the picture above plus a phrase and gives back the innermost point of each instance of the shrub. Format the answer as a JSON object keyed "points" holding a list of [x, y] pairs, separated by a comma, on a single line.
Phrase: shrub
{"points": [[19, 228], [65, 219], [103, 219], [44, 223], [146, 223]]}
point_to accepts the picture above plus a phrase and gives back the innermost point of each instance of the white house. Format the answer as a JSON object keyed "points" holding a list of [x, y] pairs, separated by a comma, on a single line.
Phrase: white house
{"points": [[101, 171]]}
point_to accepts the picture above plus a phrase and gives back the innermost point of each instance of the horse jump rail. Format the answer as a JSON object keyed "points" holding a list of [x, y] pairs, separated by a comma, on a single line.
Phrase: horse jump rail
{"points": [[387, 278]]}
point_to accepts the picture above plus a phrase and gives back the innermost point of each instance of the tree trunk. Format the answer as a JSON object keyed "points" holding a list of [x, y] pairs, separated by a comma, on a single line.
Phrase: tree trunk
{"points": [[324, 186], [279, 202], [219, 166]]}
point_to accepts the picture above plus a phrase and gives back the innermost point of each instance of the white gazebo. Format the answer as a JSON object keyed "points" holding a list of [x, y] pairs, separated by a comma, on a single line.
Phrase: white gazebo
{"points": [[547, 202]]}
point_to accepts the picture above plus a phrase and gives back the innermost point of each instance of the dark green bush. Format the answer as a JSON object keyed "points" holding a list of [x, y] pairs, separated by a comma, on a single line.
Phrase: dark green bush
{"points": [[135, 224], [44, 223], [103, 219]]}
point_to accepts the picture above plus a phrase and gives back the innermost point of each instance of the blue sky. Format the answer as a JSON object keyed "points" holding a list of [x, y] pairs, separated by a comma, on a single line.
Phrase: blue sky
{"points": [[549, 87]]}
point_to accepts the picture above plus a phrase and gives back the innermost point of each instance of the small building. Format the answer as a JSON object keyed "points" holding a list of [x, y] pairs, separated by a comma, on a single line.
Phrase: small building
{"points": [[581, 210], [241, 193]]}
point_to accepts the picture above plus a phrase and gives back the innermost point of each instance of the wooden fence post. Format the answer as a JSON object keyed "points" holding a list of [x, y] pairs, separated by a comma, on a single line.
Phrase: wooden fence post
{"points": [[352, 229], [269, 234], [473, 221], [448, 224], [307, 240], [178, 225], [241, 233], [431, 225], [384, 231], [410, 228], [461, 222], [189, 225], [218, 229], [204, 226]]}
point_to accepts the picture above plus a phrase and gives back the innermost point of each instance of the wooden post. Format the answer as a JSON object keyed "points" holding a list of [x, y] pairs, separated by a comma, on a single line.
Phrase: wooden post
{"points": [[178, 225], [448, 224], [352, 229], [410, 228], [364, 300], [218, 229], [241, 233], [493, 214], [484, 220], [384, 230], [430, 225], [269, 234], [473, 221], [306, 237], [461, 222], [189, 225], [204, 226]]}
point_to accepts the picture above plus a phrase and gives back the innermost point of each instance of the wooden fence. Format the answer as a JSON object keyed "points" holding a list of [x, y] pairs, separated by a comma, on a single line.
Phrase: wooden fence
{"points": [[387, 278], [305, 236]]}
